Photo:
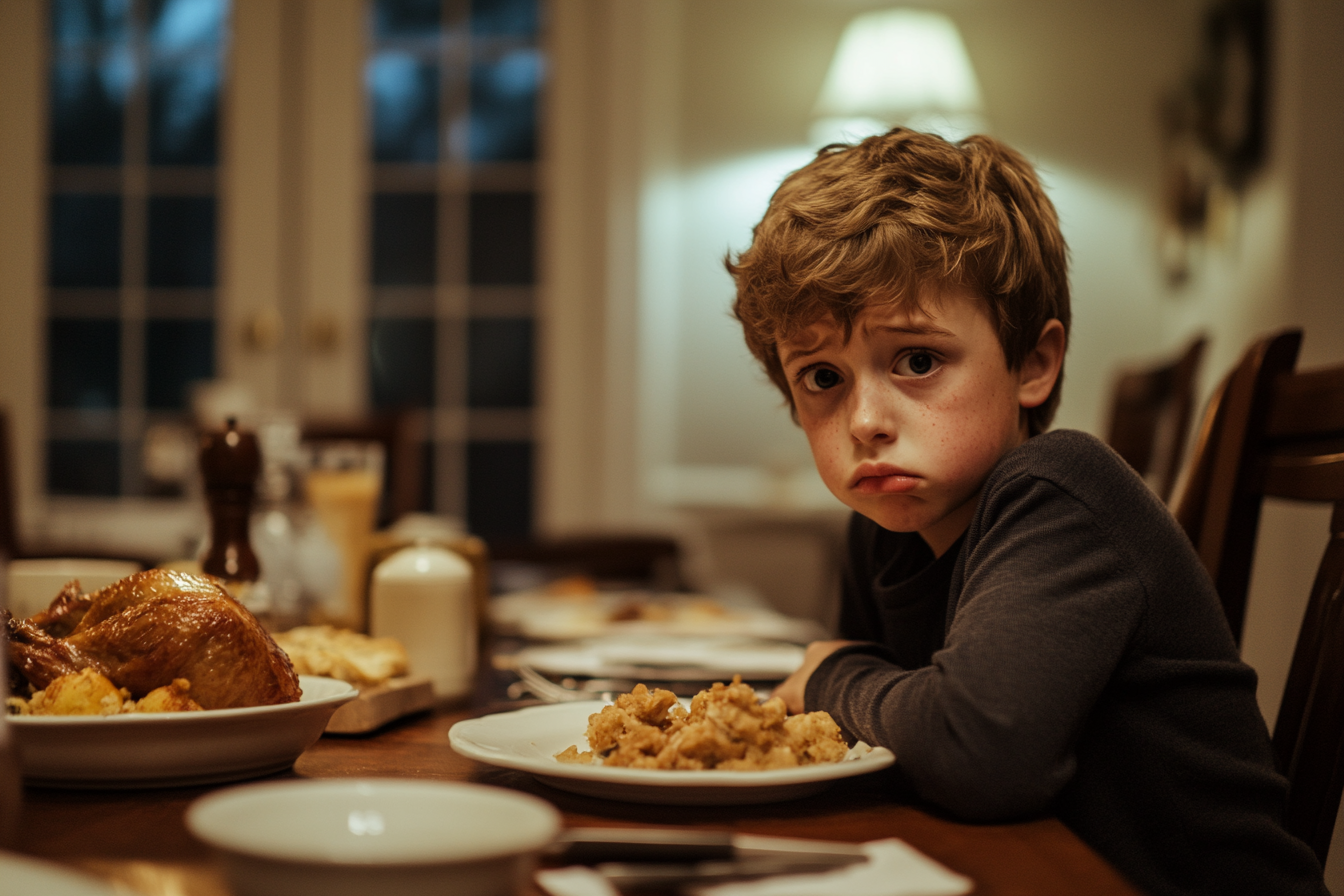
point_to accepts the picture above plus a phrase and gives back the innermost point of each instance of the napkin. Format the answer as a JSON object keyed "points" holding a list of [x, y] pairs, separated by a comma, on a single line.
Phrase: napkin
{"points": [[576, 880], [893, 868]]}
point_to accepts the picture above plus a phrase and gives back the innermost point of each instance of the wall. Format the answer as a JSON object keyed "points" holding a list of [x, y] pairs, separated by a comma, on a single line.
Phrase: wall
{"points": [[1074, 86]]}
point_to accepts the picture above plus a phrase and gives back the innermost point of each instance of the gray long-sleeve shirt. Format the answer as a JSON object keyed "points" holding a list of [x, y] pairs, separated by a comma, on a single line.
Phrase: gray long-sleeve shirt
{"points": [[1069, 656]]}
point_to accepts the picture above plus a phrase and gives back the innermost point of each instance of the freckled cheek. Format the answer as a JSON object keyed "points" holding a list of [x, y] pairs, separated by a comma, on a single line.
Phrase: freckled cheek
{"points": [[962, 443], [830, 446]]}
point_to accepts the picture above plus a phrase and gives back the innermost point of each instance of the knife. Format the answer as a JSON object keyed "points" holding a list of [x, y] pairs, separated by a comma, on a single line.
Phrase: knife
{"points": [[643, 877], [680, 847]]}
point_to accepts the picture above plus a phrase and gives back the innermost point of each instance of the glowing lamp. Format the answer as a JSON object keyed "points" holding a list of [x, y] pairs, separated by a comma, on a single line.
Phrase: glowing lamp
{"points": [[899, 66]]}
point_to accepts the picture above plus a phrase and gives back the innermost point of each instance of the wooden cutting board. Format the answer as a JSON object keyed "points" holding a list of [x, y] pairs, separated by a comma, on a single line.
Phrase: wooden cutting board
{"points": [[376, 706]]}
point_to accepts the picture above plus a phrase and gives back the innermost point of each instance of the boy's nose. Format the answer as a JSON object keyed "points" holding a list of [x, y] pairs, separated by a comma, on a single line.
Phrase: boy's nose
{"points": [[870, 418]]}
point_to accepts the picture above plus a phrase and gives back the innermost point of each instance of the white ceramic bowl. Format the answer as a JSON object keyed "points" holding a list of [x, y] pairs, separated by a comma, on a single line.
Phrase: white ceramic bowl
{"points": [[175, 749], [35, 582], [339, 837]]}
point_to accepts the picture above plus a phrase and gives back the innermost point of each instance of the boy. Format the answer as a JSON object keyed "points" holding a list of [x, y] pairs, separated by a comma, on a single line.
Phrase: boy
{"points": [[1025, 625]]}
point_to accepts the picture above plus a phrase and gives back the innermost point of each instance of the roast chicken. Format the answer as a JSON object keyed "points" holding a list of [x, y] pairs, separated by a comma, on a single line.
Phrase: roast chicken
{"points": [[151, 628]]}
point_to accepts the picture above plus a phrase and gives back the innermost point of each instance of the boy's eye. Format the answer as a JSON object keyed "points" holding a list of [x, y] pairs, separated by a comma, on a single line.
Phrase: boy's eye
{"points": [[916, 363], [819, 379]]}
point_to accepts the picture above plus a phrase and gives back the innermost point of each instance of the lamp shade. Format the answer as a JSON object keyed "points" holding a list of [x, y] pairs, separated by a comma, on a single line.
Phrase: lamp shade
{"points": [[892, 65]]}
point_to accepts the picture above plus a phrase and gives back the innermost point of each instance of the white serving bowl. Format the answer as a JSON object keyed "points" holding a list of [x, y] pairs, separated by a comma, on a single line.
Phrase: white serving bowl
{"points": [[35, 582], [339, 837]]}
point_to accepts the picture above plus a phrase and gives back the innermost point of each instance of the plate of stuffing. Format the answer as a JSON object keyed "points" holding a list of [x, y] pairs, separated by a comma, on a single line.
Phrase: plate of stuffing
{"points": [[722, 747], [161, 679]]}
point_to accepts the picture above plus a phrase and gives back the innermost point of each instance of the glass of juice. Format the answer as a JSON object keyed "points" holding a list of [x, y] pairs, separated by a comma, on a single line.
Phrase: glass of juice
{"points": [[343, 485]]}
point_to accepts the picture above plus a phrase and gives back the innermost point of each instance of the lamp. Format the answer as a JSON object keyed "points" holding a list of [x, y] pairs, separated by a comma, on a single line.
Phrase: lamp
{"points": [[898, 66]]}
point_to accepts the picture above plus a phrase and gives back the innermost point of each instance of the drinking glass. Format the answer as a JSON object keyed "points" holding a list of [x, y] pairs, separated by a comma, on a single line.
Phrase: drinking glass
{"points": [[343, 485]]}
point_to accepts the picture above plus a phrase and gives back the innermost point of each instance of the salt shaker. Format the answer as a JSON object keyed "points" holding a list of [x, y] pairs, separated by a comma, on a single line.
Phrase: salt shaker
{"points": [[423, 596]]}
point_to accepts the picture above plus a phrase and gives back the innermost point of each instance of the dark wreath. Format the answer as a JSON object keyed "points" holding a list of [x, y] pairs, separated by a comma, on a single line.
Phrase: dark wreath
{"points": [[1231, 90]]}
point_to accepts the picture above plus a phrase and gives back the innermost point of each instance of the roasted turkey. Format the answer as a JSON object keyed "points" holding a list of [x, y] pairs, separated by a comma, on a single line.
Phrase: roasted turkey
{"points": [[149, 629]]}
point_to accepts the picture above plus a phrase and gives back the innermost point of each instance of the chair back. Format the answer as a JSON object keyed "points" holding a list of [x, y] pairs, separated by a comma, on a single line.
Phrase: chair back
{"points": [[1216, 503], [1151, 410], [646, 561], [1273, 432]]}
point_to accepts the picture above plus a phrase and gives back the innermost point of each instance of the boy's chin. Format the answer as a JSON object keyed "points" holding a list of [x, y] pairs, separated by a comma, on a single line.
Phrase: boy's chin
{"points": [[891, 519], [905, 515]]}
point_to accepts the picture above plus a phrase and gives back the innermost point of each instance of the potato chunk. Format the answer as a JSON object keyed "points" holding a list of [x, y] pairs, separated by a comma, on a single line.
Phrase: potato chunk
{"points": [[83, 693], [169, 698]]}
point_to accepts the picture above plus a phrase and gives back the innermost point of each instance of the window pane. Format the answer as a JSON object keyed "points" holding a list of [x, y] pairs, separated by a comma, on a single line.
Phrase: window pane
{"points": [[177, 353], [404, 96], [181, 241], [504, 17], [406, 18], [183, 26], [84, 241], [184, 113], [401, 362], [499, 489], [77, 21], [504, 107], [404, 239], [501, 238], [88, 105], [83, 468], [499, 363], [83, 363]]}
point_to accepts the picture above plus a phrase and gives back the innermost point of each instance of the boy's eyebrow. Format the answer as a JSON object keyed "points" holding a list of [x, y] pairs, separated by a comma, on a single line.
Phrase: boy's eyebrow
{"points": [[927, 330], [789, 354]]}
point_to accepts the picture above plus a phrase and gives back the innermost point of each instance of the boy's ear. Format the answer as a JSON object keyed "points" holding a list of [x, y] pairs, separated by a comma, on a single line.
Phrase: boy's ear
{"points": [[1040, 369]]}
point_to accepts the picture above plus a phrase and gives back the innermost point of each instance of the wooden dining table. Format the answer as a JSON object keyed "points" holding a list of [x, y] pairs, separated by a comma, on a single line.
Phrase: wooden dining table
{"points": [[138, 839]]}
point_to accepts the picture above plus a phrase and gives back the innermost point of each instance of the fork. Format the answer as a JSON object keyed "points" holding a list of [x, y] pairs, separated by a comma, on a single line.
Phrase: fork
{"points": [[533, 682]]}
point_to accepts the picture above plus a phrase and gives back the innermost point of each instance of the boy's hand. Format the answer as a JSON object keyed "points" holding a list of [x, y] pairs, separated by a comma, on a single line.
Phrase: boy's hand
{"points": [[793, 687]]}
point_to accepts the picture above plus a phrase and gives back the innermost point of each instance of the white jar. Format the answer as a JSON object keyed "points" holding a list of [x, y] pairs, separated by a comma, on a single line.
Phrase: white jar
{"points": [[423, 597]]}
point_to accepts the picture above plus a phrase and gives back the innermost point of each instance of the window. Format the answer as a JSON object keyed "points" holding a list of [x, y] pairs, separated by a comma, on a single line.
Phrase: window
{"points": [[133, 152], [133, 306], [453, 90]]}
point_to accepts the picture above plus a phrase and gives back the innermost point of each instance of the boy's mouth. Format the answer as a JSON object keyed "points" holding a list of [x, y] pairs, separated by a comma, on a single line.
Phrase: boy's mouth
{"points": [[882, 479]]}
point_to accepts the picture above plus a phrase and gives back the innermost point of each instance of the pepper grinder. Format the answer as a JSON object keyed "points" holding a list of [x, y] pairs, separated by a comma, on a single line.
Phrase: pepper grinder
{"points": [[230, 461]]}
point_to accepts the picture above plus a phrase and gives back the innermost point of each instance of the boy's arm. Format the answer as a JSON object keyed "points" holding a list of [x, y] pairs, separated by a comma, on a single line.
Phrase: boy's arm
{"points": [[1046, 611], [793, 688]]}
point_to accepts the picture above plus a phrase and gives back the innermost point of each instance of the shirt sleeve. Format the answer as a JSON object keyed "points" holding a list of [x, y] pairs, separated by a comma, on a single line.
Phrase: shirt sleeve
{"points": [[1043, 616]]}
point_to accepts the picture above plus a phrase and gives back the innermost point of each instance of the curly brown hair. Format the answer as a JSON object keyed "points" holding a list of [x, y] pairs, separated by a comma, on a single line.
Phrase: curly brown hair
{"points": [[877, 221]]}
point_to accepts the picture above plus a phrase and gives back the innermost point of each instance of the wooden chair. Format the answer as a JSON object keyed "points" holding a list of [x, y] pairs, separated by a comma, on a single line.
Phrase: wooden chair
{"points": [[1216, 505], [1273, 432], [1151, 409], [649, 561]]}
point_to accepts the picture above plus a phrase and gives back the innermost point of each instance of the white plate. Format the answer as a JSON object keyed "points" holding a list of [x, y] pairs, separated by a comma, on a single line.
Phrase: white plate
{"points": [[22, 876], [528, 739], [666, 659], [175, 749], [541, 616]]}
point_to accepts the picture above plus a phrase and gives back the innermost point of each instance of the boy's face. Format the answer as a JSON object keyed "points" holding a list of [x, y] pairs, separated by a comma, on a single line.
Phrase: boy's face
{"points": [[907, 419]]}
